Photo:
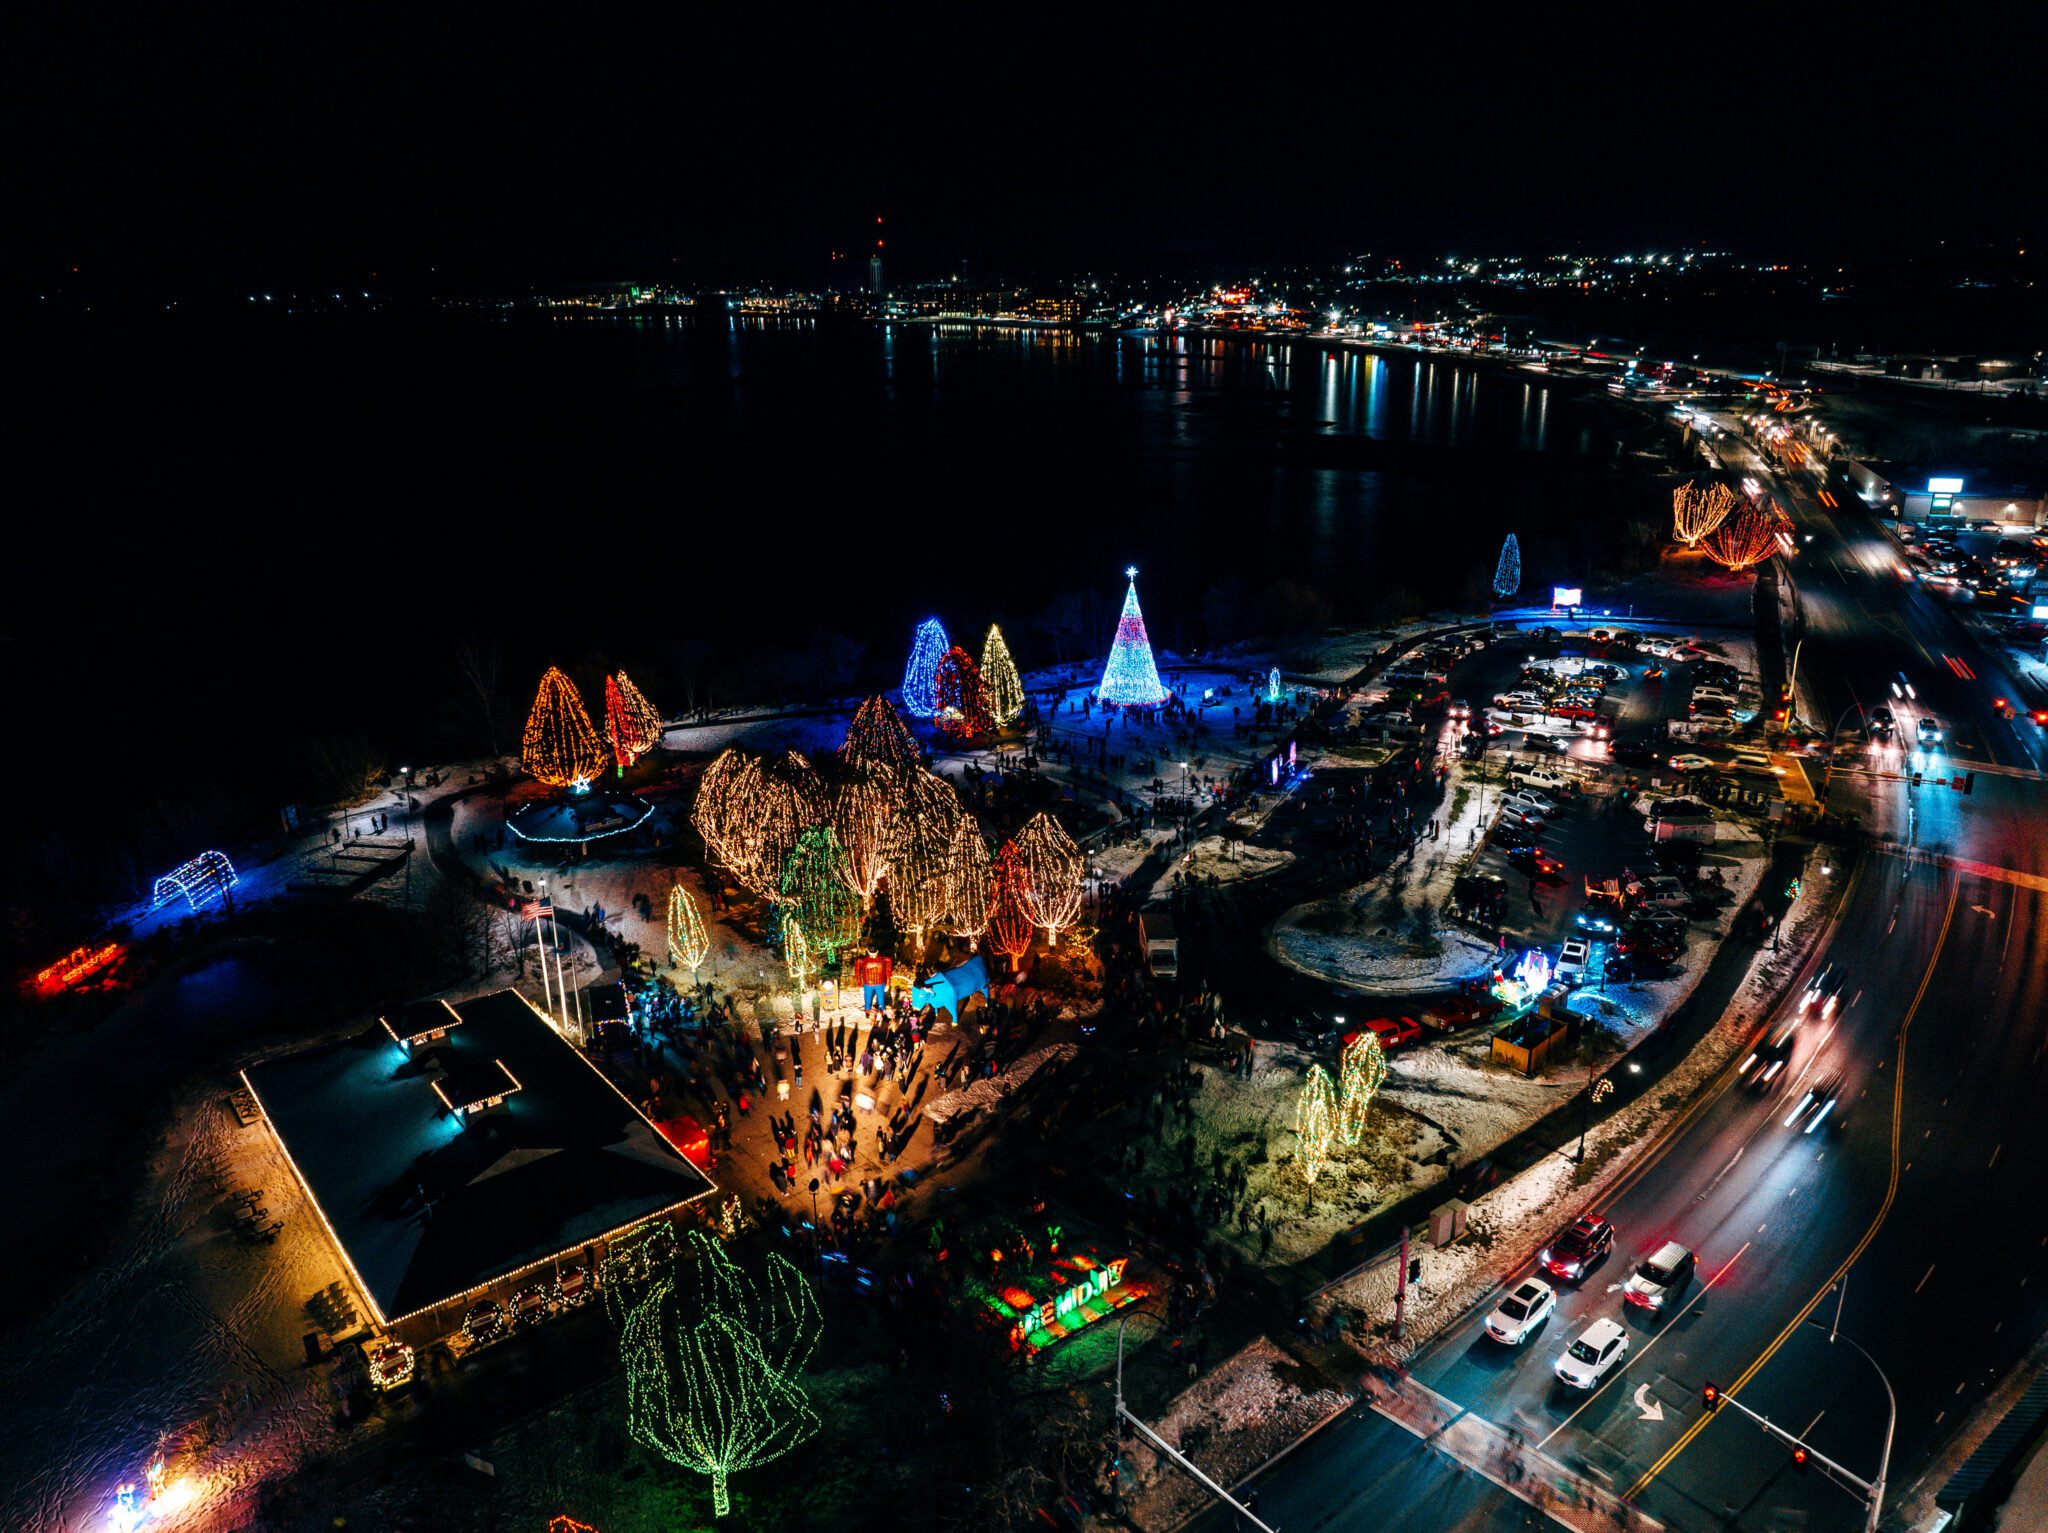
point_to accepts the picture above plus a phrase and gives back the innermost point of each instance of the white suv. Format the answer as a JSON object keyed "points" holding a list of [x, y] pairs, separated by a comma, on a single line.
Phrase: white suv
{"points": [[1587, 1361]]}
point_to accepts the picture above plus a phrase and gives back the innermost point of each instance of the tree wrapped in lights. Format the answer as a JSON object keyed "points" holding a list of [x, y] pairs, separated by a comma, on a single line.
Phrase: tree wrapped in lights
{"points": [[878, 737], [969, 897], [1052, 867], [1744, 540], [817, 894], [1273, 686], [796, 952], [689, 943], [1009, 919], [560, 747], [921, 675], [750, 811], [928, 814], [1315, 1122], [712, 1360], [1507, 574], [1130, 679], [963, 700], [1697, 509], [632, 725], [861, 802], [1001, 684], [1360, 1070]]}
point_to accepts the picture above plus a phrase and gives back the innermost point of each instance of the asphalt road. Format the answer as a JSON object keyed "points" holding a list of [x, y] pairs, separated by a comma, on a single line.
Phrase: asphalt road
{"points": [[1920, 1190]]}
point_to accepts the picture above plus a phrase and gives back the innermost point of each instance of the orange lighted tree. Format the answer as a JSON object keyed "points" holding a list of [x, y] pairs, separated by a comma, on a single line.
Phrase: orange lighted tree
{"points": [[632, 725], [1744, 540], [879, 737], [1052, 867], [560, 748], [1009, 921], [1697, 509], [750, 811]]}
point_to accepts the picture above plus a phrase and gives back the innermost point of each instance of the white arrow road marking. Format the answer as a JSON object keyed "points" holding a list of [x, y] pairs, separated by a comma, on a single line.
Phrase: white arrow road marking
{"points": [[1652, 1411], [1985, 910]]}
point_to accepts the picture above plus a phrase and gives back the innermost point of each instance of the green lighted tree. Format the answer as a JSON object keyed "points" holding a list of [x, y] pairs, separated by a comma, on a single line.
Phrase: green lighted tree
{"points": [[1507, 575], [817, 893], [712, 1359]]}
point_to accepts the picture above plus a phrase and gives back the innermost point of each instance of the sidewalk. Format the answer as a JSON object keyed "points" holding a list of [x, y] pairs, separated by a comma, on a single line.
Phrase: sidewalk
{"points": [[1502, 1457]]}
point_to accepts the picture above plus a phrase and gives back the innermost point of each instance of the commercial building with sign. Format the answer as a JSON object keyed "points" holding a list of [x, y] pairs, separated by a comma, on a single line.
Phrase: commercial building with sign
{"points": [[2011, 496]]}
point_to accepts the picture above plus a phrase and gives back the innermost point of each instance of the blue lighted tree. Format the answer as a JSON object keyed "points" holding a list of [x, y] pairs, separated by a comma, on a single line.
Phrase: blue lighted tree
{"points": [[1507, 575], [921, 676], [1130, 679]]}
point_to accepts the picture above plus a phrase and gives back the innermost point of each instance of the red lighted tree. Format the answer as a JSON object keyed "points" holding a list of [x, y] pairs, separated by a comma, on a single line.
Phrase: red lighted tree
{"points": [[963, 700], [1009, 920], [1744, 540], [632, 725]]}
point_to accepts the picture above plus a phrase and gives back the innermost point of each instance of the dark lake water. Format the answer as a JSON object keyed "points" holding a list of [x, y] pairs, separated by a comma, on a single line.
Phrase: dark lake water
{"points": [[313, 508]]}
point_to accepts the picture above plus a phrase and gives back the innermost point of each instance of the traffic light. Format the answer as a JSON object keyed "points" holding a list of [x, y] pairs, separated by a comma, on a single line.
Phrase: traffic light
{"points": [[1916, 779], [1710, 1396], [1799, 1458]]}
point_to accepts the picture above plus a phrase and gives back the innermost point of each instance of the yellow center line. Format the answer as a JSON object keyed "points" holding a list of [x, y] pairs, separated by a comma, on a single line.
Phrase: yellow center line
{"points": [[1891, 1191]]}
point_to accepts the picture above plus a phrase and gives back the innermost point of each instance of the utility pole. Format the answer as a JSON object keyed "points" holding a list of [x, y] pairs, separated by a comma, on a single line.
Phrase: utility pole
{"points": [[1401, 1284]]}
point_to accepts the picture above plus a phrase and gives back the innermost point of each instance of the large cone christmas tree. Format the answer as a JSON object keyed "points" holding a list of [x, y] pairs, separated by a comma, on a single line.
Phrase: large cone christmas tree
{"points": [[1131, 680]]}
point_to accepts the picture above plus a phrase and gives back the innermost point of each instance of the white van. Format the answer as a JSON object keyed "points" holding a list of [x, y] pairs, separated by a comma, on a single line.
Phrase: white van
{"points": [[1539, 779]]}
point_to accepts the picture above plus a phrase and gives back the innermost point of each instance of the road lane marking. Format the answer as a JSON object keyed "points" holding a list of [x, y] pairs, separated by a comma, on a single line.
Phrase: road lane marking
{"points": [[1994, 1157], [1891, 1193], [1923, 1279], [1628, 1361]]}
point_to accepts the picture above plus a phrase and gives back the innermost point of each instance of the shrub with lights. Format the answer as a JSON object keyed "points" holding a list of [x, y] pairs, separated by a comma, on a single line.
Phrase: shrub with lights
{"points": [[689, 942], [1051, 868], [632, 725], [1315, 1115]]}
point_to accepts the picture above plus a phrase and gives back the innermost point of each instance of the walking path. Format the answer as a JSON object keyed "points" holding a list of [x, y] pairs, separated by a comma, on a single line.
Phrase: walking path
{"points": [[1503, 1458]]}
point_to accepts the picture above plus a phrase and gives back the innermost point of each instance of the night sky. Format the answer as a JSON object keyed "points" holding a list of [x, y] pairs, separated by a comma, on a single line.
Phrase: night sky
{"points": [[315, 145]]}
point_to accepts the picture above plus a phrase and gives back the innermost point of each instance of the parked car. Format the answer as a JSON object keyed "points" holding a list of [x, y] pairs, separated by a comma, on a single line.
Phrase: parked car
{"points": [[1393, 1032], [1529, 803], [1537, 863], [1571, 960], [1689, 763]]}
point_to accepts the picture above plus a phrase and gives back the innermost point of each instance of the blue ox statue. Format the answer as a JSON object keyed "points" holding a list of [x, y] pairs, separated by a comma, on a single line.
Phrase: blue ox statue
{"points": [[952, 990]]}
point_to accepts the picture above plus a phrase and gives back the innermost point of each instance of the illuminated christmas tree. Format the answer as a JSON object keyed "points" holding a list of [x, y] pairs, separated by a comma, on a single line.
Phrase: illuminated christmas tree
{"points": [[818, 896], [1747, 538], [1360, 1070], [1053, 868], [1130, 679], [796, 952], [1273, 686], [968, 892], [921, 675], [1315, 1122], [1697, 509], [1507, 575], [750, 811], [962, 700], [632, 725], [1002, 685], [561, 748], [928, 813], [1009, 920], [689, 944], [861, 801], [879, 737], [712, 1362]]}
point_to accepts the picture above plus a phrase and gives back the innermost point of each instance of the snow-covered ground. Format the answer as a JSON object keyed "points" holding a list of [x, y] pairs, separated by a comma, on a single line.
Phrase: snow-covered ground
{"points": [[1235, 1418]]}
